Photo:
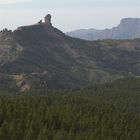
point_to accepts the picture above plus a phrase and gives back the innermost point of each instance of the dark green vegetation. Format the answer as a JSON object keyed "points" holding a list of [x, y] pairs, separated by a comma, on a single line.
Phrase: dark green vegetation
{"points": [[105, 112], [41, 56]]}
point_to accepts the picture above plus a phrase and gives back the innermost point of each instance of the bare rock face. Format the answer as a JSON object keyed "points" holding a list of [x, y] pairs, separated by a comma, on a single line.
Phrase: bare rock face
{"points": [[48, 20]]}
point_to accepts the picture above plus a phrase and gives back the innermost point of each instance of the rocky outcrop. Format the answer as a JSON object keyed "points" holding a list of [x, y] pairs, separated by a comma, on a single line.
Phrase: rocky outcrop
{"points": [[39, 25], [48, 20], [9, 48]]}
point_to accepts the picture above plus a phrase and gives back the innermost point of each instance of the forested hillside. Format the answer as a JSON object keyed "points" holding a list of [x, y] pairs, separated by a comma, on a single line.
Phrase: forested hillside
{"points": [[103, 112]]}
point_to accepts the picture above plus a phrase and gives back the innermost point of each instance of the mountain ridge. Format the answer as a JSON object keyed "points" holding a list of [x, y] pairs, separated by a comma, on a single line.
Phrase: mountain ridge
{"points": [[129, 28]]}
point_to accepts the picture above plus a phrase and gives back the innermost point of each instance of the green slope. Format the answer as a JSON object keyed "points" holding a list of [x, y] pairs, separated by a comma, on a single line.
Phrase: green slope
{"points": [[110, 111]]}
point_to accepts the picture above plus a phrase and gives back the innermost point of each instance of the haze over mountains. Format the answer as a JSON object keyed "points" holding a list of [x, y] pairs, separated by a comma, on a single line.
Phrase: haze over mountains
{"points": [[40, 57], [129, 28]]}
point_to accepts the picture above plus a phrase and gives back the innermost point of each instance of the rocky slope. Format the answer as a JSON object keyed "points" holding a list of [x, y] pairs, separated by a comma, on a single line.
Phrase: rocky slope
{"points": [[129, 28], [40, 57]]}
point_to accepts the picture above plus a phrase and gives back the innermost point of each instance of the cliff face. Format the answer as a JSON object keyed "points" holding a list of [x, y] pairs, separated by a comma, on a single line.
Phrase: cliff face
{"points": [[42, 57], [129, 28]]}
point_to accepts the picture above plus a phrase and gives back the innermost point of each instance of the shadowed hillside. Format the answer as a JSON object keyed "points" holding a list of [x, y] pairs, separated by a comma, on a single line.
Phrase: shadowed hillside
{"points": [[41, 56]]}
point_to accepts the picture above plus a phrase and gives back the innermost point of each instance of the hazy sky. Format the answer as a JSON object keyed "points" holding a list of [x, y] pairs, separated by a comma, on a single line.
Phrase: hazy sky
{"points": [[67, 14]]}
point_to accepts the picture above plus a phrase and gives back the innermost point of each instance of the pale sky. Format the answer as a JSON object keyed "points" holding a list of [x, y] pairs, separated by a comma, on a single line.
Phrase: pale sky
{"points": [[67, 14]]}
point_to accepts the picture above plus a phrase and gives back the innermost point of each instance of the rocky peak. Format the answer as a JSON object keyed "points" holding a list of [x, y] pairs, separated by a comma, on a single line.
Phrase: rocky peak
{"points": [[6, 32], [39, 29], [127, 21], [47, 21], [40, 25]]}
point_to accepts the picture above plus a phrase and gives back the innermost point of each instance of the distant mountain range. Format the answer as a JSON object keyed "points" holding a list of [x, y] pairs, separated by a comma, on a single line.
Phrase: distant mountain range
{"points": [[129, 28], [41, 57]]}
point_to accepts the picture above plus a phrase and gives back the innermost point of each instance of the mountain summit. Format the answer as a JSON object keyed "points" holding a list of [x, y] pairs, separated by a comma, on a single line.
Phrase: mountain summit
{"points": [[41, 57], [44, 25], [129, 28]]}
